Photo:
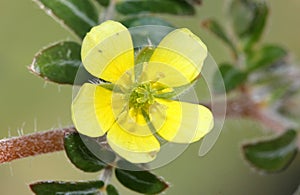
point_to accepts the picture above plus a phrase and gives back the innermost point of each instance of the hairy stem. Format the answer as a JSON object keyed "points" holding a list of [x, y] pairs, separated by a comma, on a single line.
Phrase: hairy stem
{"points": [[245, 107], [52, 141], [106, 175], [33, 144]]}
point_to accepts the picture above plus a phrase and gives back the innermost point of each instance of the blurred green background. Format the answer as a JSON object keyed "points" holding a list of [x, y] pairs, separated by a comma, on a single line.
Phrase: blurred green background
{"points": [[27, 104]]}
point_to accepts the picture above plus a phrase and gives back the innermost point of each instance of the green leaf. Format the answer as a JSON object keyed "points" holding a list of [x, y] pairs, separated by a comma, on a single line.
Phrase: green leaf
{"points": [[232, 77], [104, 3], [242, 14], [79, 16], [218, 30], [58, 63], [272, 155], [141, 181], [176, 7], [111, 190], [258, 24], [249, 20], [146, 20], [74, 188], [81, 156], [266, 56]]}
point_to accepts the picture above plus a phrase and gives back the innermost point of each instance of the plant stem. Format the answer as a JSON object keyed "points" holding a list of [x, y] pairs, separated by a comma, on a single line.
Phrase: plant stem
{"points": [[33, 144], [110, 12], [106, 175], [52, 141], [245, 107]]}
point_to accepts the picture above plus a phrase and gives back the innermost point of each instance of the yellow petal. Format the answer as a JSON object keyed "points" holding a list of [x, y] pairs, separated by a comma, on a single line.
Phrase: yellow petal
{"points": [[92, 110], [185, 122], [136, 149], [107, 51], [182, 50], [163, 73], [134, 123]]}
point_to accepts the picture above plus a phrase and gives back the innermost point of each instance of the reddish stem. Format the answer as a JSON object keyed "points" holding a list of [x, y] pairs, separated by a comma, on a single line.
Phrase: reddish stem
{"points": [[32, 145], [52, 141]]}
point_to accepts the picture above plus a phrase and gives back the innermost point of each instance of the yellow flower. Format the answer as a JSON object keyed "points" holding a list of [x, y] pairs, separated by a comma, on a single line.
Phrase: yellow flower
{"points": [[135, 109]]}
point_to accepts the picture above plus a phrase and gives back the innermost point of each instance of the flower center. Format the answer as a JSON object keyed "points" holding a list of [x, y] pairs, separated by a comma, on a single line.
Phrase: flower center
{"points": [[142, 103], [142, 96]]}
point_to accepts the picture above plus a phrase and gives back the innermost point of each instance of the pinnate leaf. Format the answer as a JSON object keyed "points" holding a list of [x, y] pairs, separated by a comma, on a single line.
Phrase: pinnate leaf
{"points": [[176, 7], [218, 30], [266, 56], [249, 20], [232, 77], [81, 156], [258, 24], [141, 181], [74, 188], [58, 63], [111, 190], [242, 14], [78, 15], [272, 155]]}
